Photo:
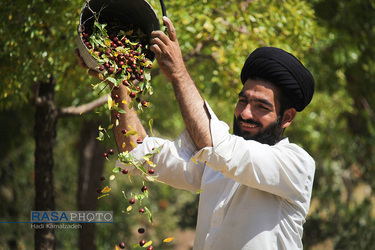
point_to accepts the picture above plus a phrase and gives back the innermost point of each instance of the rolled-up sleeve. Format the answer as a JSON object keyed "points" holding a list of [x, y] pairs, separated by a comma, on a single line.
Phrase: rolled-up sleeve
{"points": [[284, 169], [174, 164]]}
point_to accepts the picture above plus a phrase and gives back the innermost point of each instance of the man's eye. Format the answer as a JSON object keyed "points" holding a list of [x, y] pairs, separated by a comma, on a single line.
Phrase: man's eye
{"points": [[242, 100], [263, 107]]}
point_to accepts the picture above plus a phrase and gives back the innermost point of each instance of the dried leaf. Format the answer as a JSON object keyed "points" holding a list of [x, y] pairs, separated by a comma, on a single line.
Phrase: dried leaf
{"points": [[101, 78], [132, 132], [150, 123], [106, 189], [168, 239], [147, 244], [110, 102], [102, 196]]}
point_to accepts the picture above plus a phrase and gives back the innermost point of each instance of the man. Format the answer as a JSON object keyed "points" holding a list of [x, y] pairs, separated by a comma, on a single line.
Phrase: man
{"points": [[255, 185]]}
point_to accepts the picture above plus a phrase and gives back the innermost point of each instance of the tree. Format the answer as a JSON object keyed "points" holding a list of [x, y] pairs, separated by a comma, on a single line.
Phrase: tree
{"points": [[89, 172], [44, 41]]}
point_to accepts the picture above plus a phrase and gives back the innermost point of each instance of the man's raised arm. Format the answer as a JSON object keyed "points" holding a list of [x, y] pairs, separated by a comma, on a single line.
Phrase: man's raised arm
{"points": [[130, 118], [192, 106]]}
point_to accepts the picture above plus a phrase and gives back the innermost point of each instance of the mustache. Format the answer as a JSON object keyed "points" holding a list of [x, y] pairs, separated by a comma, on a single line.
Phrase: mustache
{"points": [[249, 121]]}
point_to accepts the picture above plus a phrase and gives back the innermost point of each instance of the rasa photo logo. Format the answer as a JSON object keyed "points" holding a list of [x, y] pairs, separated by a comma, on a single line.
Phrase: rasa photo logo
{"points": [[46, 218]]}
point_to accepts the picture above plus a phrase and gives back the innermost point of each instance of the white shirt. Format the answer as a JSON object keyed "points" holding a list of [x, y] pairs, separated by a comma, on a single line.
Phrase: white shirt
{"points": [[253, 196]]}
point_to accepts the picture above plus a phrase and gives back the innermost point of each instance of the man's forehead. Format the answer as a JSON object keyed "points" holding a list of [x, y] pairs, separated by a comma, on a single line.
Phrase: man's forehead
{"points": [[259, 89]]}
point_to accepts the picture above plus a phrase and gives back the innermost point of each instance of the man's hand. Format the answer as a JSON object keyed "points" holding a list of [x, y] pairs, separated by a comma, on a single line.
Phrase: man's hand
{"points": [[168, 54], [82, 64]]}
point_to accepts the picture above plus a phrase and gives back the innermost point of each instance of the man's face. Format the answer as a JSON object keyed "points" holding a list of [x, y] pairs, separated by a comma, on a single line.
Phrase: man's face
{"points": [[256, 113]]}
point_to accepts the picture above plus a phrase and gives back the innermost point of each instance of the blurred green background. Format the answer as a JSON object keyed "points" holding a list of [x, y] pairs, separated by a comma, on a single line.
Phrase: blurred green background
{"points": [[40, 77]]}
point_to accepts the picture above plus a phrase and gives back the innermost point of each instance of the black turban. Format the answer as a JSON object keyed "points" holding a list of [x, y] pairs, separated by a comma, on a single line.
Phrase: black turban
{"points": [[284, 70]]}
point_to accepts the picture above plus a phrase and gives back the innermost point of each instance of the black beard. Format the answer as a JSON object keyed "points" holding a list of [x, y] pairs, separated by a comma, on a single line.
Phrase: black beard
{"points": [[271, 135]]}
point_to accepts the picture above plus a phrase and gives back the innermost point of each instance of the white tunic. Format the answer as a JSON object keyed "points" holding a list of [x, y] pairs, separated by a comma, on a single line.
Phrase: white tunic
{"points": [[253, 196]]}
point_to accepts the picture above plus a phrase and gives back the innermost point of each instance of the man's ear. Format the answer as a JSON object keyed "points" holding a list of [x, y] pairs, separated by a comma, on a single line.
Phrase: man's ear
{"points": [[288, 117]]}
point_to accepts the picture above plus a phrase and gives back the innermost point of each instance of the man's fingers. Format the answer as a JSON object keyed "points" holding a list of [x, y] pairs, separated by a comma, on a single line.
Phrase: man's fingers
{"points": [[158, 37], [155, 48], [171, 29], [91, 72], [158, 42], [81, 63], [94, 73]]}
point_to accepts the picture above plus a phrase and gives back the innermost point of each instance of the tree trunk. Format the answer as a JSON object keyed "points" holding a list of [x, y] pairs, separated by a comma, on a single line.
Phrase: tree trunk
{"points": [[45, 135], [89, 172]]}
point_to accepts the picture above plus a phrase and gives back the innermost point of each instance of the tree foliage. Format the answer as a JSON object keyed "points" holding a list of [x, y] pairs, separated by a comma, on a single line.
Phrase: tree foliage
{"points": [[341, 131]]}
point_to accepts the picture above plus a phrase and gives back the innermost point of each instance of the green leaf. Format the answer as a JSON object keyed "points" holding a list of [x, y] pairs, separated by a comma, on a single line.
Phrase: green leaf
{"points": [[151, 178], [140, 197], [123, 193], [98, 25], [112, 80], [133, 43], [101, 136], [140, 167], [121, 49], [120, 110], [121, 33], [116, 170], [149, 215], [148, 76], [146, 193], [136, 246]]}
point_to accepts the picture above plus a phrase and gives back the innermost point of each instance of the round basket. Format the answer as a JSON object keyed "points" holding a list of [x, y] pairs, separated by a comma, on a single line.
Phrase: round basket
{"points": [[137, 12]]}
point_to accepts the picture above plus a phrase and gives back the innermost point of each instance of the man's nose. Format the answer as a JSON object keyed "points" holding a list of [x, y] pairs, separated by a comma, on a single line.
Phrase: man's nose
{"points": [[247, 112]]}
